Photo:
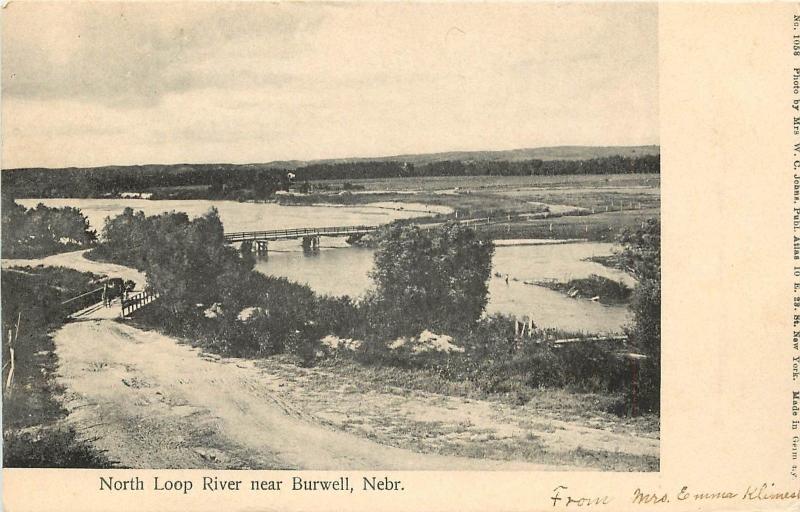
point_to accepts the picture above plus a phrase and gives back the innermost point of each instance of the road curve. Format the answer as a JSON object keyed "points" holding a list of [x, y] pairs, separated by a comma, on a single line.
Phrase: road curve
{"points": [[76, 260], [152, 402]]}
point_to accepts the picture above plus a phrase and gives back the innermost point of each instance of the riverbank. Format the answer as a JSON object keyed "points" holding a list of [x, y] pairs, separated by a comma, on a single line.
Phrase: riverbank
{"points": [[594, 287]]}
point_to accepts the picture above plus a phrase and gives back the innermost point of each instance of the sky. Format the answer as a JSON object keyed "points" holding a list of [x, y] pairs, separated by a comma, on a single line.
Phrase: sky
{"points": [[89, 84]]}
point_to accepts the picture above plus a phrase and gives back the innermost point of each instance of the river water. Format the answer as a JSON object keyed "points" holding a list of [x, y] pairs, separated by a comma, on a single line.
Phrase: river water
{"points": [[249, 216], [338, 269], [341, 270]]}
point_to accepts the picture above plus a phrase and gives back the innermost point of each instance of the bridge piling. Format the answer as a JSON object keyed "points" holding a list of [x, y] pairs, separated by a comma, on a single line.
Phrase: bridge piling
{"points": [[262, 247], [310, 243]]}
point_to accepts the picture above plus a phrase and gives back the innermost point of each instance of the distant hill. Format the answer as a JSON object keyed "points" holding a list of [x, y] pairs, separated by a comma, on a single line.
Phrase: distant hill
{"points": [[510, 155]]}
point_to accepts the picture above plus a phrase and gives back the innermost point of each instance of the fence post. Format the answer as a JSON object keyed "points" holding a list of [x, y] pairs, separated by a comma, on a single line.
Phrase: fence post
{"points": [[11, 343]]}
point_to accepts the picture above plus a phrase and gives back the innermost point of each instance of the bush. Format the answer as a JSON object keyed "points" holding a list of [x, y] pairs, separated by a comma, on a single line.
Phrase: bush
{"points": [[430, 279], [607, 290], [497, 363], [41, 231], [30, 410], [186, 261], [642, 254], [302, 346], [50, 448]]}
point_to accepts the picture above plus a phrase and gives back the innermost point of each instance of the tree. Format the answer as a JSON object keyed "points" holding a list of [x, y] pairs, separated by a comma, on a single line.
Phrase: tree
{"points": [[186, 260], [430, 279], [42, 230], [641, 255]]}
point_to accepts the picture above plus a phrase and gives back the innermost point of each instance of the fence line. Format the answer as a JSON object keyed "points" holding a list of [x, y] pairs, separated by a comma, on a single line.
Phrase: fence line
{"points": [[564, 341]]}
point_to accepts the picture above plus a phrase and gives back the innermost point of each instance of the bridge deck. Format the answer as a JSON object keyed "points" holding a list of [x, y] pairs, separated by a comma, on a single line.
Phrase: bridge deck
{"points": [[291, 234]]}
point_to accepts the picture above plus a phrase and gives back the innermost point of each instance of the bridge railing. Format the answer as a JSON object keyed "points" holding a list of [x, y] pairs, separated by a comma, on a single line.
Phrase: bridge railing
{"points": [[82, 301], [296, 232], [137, 301], [275, 234]]}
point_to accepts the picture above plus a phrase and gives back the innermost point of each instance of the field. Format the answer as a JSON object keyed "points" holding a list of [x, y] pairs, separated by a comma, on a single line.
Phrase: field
{"points": [[436, 183], [578, 206]]}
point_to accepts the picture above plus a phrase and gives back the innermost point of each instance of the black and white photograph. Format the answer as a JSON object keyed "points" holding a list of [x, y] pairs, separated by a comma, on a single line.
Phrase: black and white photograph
{"points": [[331, 236]]}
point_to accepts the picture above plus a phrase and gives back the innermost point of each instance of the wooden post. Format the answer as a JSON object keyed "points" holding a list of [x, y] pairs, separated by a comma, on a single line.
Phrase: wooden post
{"points": [[12, 357], [11, 371], [634, 387]]}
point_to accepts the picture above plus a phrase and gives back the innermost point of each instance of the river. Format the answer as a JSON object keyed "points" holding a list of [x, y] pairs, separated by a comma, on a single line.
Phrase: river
{"points": [[338, 269], [341, 270], [238, 216]]}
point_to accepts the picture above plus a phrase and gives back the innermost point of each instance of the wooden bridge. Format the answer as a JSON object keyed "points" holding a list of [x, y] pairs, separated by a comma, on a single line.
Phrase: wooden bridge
{"points": [[293, 234], [92, 306], [310, 236]]}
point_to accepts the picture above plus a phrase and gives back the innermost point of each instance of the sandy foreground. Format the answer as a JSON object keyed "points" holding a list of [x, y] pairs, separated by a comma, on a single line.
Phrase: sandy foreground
{"points": [[154, 403]]}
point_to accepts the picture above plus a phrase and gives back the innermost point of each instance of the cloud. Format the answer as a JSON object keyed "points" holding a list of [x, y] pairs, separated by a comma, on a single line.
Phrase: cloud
{"points": [[99, 83], [133, 53]]}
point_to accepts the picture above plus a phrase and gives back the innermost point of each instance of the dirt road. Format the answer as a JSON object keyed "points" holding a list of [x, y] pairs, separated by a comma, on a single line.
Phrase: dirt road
{"points": [[76, 261], [154, 403]]}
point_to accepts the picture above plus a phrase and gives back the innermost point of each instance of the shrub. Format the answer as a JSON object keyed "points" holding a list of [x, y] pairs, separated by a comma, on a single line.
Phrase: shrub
{"points": [[642, 255], [431, 278], [30, 410], [50, 448], [40, 231], [302, 346]]}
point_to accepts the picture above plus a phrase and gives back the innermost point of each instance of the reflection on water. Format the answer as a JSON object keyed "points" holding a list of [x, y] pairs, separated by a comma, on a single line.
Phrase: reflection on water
{"points": [[339, 270], [333, 270]]}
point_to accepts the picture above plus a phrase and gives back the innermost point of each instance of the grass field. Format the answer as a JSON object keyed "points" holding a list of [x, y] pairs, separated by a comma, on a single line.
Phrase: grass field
{"points": [[434, 183], [580, 206]]}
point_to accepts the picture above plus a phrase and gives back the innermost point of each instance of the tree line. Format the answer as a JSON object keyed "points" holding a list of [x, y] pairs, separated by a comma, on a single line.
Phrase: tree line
{"points": [[41, 231], [261, 181]]}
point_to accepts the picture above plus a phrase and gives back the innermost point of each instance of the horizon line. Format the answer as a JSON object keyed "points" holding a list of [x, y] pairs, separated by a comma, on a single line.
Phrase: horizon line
{"points": [[348, 158]]}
